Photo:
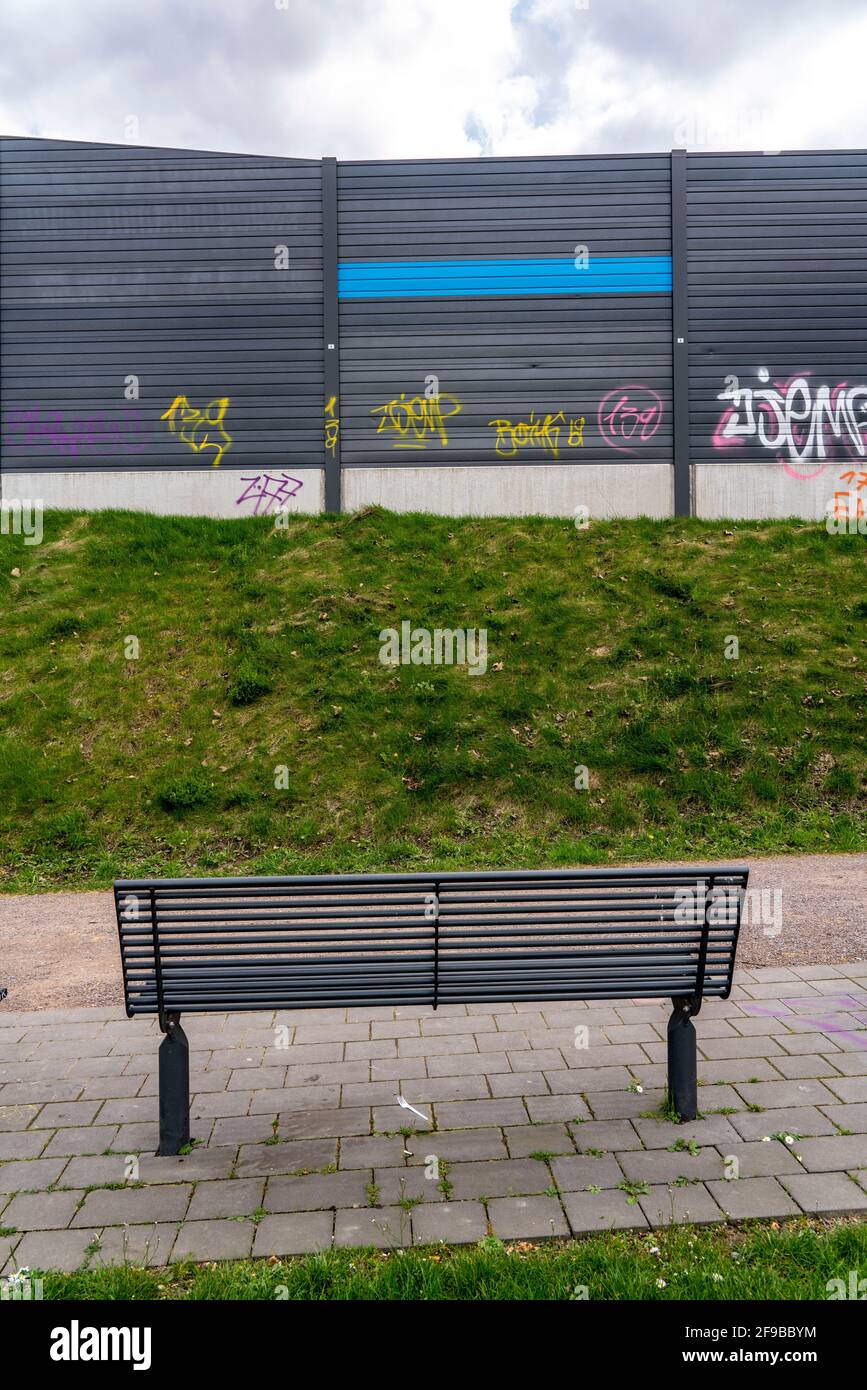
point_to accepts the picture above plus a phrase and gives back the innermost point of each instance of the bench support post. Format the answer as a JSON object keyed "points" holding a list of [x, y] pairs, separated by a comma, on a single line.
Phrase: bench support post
{"points": [[174, 1086], [682, 1060]]}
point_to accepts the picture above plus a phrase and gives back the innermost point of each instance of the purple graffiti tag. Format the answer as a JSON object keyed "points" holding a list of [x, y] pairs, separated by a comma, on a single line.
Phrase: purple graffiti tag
{"points": [[271, 490], [844, 1003], [39, 427], [629, 416]]}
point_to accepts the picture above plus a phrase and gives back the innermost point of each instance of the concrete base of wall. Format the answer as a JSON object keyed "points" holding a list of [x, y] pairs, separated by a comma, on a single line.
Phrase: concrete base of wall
{"points": [[193, 492], [754, 491], [724, 491], [607, 490]]}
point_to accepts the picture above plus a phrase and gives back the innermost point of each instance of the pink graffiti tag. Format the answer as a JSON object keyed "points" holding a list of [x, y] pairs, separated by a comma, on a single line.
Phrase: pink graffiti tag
{"points": [[629, 416], [274, 492]]}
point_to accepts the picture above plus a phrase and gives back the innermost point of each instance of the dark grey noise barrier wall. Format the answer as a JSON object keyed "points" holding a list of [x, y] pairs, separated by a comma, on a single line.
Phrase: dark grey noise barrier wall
{"points": [[180, 310]]}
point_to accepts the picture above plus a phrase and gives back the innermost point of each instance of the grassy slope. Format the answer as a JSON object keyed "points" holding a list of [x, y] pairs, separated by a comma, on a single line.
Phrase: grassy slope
{"points": [[757, 1262], [259, 647]]}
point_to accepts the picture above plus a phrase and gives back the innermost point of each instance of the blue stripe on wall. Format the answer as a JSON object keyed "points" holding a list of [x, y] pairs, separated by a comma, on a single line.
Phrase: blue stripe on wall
{"points": [[519, 275]]}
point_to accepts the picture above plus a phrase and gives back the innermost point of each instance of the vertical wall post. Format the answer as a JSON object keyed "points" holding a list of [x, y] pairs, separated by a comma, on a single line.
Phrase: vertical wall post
{"points": [[679, 335], [331, 337]]}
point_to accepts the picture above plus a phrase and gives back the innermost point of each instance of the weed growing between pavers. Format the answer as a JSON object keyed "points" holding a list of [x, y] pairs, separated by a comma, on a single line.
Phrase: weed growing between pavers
{"points": [[760, 1261], [259, 648]]}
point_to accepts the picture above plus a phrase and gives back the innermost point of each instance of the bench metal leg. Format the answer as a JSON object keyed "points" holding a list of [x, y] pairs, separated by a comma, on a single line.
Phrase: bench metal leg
{"points": [[174, 1088], [682, 1063]]}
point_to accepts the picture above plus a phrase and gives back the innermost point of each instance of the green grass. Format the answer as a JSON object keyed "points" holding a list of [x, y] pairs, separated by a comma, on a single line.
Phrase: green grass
{"points": [[753, 1262], [259, 647]]}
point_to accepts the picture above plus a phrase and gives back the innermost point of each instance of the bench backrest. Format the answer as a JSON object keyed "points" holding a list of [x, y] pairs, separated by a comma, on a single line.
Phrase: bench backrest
{"points": [[199, 945]]}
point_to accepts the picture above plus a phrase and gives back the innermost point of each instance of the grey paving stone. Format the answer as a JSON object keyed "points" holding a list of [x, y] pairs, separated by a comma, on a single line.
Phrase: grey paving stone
{"points": [[545, 1108], [200, 1163], [440, 1027], [745, 1198], [30, 1174], [72, 1112], [525, 1083], [211, 1105], [324, 1124], [807, 1064], [43, 1211], [399, 1069], [214, 1240], [476, 1114], [851, 1089], [733, 1072], [138, 1109], [602, 1211], [89, 1139], [148, 1246], [850, 1063], [455, 1223], [396, 1185], [235, 1197], [297, 1234], [805, 1119], [97, 1171], [111, 1087], [317, 1192], [609, 1135], [577, 1174], [243, 1129], [851, 1117], [323, 1073], [7, 1252], [796, 1044], [298, 1098], [133, 1206], [38, 1093], [373, 1152], [60, 1250], [660, 1166], [385, 1228], [527, 1218], [457, 1146], [585, 1080], [23, 1143], [262, 1159], [722, 1049], [505, 1178], [667, 1205], [524, 1140], [833, 1154], [444, 1088], [434, 1047], [825, 1193], [658, 1134], [781, 1095], [623, 1105], [396, 1028], [758, 1160], [368, 1093]]}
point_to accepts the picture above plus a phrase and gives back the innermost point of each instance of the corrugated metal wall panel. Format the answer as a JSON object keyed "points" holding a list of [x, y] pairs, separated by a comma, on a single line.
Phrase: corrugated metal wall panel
{"points": [[512, 354], [777, 291], [119, 260]]}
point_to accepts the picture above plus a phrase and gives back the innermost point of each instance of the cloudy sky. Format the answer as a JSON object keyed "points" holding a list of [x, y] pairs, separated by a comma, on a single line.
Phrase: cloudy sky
{"points": [[403, 78]]}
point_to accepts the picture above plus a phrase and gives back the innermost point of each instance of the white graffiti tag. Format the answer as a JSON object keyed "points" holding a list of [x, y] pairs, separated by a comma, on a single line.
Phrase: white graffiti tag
{"points": [[794, 417]]}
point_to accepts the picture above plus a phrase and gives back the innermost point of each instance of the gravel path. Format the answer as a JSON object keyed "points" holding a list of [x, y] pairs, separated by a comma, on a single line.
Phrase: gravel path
{"points": [[59, 950]]}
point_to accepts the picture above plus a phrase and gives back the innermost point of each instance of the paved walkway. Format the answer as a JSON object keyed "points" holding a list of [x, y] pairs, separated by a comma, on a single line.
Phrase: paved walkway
{"points": [[303, 1142]]}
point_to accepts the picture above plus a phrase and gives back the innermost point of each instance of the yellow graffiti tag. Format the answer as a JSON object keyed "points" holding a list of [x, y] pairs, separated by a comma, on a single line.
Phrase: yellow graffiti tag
{"points": [[537, 433], [187, 421], [413, 422], [332, 427]]}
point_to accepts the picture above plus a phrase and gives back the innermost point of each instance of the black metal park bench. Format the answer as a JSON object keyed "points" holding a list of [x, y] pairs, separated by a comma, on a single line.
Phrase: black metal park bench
{"points": [[226, 944]]}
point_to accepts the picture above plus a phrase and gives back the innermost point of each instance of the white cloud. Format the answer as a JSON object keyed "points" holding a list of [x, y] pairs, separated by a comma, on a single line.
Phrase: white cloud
{"points": [[421, 78]]}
